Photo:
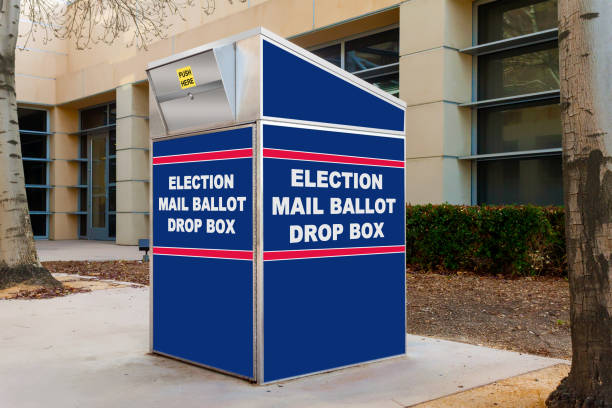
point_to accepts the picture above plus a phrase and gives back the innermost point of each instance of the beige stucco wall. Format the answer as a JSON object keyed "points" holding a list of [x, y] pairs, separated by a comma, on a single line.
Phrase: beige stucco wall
{"points": [[38, 63], [434, 79]]}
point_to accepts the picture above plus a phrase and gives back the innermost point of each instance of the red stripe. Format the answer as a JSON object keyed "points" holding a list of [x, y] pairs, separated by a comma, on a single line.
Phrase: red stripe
{"points": [[195, 157], [205, 253], [331, 158], [320, 253]]}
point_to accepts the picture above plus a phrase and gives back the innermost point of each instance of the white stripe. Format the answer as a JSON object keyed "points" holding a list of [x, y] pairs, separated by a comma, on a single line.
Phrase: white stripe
{"points": [[204, 256], [212, 151], [331, 127], [328, 249]]}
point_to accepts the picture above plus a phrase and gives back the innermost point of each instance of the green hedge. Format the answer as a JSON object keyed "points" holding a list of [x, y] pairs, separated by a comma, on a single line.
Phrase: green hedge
{"points": [[508, 240]]}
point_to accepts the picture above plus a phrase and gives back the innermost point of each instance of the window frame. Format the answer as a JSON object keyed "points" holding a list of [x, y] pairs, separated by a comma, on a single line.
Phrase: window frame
{"points": [[476, 50], [46, 186], [83, 133], [365, 73]]}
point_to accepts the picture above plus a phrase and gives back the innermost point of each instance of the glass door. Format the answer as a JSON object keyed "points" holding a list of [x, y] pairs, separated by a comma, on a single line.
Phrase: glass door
{"points": [[98, 186]]}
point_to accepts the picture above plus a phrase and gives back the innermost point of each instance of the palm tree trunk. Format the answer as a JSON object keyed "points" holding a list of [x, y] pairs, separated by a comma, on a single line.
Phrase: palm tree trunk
{"points": [[18, 258], [585, 41]]}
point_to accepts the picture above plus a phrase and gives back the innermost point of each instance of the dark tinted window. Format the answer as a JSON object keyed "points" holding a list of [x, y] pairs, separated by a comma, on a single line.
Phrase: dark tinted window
{"points": [[503, 19], [388, 83], [33, 145], [112, 114], [37, 199], [94, 117], [83, 225], [39, 224], [32, 119], [331, 54], [112, 170], [82, 199], [512, 128], [83, 174], [519, 71], [535, 181], [112, 199], [112, 226], [112, 142], [372, 51], [83, 147], [35, 172]]}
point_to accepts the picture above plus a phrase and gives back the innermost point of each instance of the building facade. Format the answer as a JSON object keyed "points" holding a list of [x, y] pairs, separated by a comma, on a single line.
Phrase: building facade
{"points": [[481, 80]]}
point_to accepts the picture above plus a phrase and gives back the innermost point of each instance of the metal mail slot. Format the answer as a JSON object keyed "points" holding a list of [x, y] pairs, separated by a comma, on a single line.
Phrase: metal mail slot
{"points": [[197, 89]]}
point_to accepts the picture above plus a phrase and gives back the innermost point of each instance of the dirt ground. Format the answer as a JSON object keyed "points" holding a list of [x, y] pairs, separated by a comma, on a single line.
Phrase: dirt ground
{"points": [[525, 391], [83, 276], [529, 315], [71, 284]]}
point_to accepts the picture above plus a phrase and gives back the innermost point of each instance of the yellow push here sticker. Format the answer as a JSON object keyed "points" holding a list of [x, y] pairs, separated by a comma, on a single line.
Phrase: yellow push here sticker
{"points": [[185, 77]]}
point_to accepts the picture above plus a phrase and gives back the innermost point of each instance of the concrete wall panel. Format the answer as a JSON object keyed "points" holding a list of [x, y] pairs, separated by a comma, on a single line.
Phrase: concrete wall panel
{"points": [[422, 77], [434, 79], [424, 32], [131, 228], [36, 90], [132, 196]]}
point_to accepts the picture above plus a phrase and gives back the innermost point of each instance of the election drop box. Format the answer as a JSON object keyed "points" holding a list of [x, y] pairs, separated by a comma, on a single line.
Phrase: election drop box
{"points": [[277, 211]]}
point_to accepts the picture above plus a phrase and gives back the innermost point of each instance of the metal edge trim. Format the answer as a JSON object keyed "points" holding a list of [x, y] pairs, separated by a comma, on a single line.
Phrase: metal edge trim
{"points": [[218, 370], [254, 233], [260, 263], [296, 377], [404, 265], [151, 244], [520, 153], [260, 224], [191, 132], [515, 99], [304, 124], [513, 42], [159, 110]]}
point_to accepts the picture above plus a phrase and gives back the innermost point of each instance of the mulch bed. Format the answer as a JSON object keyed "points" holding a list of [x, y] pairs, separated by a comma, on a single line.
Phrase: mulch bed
{"points": [[46, 293], [529, 314], [123, 271]]}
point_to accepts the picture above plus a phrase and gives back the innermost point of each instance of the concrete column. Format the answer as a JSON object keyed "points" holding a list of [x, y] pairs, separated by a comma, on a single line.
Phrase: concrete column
{"points": [[434, 79], [64, 146], [132, 164]]}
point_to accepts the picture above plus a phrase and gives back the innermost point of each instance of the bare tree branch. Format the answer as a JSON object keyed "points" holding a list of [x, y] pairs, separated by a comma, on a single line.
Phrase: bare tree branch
{"points": [[89, 22]]}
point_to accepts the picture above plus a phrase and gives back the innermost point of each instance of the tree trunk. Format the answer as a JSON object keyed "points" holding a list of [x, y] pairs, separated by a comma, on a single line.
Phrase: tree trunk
{"points": [[18, 258], [585, 53]]}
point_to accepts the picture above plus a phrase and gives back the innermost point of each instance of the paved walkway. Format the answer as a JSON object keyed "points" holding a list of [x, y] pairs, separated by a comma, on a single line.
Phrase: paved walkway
{"points": [[90, 350], [84, 250]]}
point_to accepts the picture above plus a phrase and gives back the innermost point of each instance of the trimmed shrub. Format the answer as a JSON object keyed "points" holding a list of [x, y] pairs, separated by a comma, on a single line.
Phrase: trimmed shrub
{"points": [[508, 240]]}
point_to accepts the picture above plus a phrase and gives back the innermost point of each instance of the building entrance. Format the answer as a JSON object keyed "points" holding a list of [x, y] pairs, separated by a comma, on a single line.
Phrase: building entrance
{"points": [[98, 144]]}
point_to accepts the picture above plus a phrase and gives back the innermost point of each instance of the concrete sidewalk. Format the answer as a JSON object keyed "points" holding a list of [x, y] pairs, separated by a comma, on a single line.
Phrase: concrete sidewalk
{"points": [[90, 350], [84, 250]]}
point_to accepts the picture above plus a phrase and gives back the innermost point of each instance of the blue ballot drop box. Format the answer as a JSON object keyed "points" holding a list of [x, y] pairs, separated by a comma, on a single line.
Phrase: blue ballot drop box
{"points": [[277, 211]]}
